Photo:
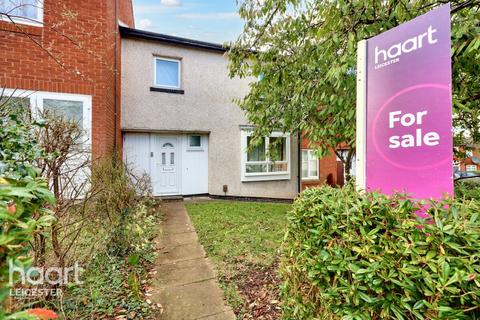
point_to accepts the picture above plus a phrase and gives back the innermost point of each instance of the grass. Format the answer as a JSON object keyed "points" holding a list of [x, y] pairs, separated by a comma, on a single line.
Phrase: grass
{"points": [[240, 238]]}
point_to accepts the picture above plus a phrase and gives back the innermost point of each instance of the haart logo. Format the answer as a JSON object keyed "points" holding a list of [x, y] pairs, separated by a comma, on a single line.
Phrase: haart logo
{"points": [[384, 57]]}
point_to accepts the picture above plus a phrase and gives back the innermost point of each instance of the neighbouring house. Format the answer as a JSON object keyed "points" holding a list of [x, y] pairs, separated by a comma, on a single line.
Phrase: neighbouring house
{"points": [[315, 171], [64, 55], [471, 161], [182, 127], [319, 171]]}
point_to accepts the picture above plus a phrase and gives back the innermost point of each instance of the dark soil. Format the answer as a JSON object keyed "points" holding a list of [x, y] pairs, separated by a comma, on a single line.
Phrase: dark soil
{"points": [[260, 289]]}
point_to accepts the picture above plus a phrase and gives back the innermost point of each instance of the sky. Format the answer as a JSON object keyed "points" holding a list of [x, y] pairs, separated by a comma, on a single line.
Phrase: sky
{"points": [[214, 21]]}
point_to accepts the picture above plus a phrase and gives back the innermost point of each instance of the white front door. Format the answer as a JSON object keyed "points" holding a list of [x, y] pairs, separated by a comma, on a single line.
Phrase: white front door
{"points": [[165, 165]]}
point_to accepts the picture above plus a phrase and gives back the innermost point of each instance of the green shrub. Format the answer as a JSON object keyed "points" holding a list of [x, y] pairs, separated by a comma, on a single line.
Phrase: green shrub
{"points": [[468, 189], [367, 256], [24, 197]]}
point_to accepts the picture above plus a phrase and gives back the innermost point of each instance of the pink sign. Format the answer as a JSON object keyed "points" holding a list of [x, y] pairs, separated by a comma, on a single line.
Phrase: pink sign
{"points": [[409, 109]]}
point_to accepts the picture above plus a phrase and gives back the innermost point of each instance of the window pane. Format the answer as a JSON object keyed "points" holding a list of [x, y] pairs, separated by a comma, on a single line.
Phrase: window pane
{"points": [[253, 168], [195, 141], [172, 158], [164, 161], [167, 73], [305, 154], [21, 8], [256, 153], [278, 148], [278, 167], [313, 168], [69, 110], [471, 168]]}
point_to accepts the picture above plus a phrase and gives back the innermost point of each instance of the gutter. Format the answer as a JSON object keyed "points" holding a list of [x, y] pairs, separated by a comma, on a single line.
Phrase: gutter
{"points": [[147, 35]]}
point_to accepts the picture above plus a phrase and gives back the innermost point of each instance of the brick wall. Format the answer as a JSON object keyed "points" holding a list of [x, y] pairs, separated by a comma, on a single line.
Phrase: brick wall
{"points": [[73, 52], [328, 167], [469, 161]]}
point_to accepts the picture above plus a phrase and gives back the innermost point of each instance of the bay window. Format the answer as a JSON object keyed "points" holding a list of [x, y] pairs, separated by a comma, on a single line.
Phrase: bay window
{"points": [[267, 159]]}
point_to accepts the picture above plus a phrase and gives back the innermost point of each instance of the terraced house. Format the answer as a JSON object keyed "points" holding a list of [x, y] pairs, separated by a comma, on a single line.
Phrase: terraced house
{"points": [[165, 103]]}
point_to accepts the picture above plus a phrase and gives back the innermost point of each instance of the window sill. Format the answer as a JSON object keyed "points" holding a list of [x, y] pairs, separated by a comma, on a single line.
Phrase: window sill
{"points": [[265, 177], [166, 90], [310, 179]]}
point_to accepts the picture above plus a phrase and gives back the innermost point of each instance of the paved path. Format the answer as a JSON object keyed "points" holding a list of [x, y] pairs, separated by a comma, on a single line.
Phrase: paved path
{"points": [[185, 283]]}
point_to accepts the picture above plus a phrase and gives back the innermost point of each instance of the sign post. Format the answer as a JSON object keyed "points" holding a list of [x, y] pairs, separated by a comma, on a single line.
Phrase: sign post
{"points": [[404, 109]]}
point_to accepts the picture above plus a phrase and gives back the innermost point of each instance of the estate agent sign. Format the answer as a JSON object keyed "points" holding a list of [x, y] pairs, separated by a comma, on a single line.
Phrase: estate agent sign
{"points": [[404, 109]]}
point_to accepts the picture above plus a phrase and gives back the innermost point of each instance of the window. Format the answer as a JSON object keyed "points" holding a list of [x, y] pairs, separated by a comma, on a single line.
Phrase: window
{"points": [[309, 164], [167, 73], [67, 109], [22, 11], [70, 106], [471, 167], [269, 159], [456, 166], [194, 141]]}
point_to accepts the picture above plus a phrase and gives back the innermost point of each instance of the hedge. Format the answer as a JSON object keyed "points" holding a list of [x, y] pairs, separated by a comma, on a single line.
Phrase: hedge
{"points": [[348, 255], [468, 189]]}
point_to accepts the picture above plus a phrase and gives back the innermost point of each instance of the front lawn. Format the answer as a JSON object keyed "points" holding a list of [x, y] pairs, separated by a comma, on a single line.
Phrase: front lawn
{"points": [[243, 239]]}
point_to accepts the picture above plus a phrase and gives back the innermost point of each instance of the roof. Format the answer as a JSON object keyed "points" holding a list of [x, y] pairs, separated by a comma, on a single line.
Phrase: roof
{"points": [[147, 35]]}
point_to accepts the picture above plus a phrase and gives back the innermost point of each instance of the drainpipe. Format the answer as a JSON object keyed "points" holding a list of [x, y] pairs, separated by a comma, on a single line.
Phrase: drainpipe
{"points": [[115, 99], [299, 160]]}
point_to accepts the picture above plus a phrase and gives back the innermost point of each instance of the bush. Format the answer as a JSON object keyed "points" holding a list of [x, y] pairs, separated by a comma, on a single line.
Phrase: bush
{"points": [[116, 269], [24, 198], [468, 189], [367, 256]]}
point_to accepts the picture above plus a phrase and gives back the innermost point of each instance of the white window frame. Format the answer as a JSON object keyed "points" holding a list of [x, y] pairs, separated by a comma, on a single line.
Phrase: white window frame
{"points": [[264, 176], [471, 168], [309, 153], [25, 20], [155, 84], [36, 105], [199, 148]]}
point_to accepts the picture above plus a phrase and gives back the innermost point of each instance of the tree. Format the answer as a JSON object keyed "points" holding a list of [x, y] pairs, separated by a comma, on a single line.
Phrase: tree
{"points": [[304, 51]]}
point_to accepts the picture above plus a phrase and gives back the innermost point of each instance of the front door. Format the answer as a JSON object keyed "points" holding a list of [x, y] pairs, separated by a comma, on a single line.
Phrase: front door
{"points": [[165, 165]]}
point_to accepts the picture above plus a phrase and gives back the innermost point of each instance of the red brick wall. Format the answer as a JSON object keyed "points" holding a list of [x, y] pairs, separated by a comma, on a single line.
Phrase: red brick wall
{"points": [[126, 12], [73, 52], [328, 166], [468, 161]]}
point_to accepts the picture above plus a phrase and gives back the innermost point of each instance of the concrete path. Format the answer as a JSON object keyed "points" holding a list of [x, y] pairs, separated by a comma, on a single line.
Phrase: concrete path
{"points": [[185, 283]]}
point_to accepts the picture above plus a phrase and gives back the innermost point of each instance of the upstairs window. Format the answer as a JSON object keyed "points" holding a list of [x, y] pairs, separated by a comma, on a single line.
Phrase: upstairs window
{"points": [[167, 73], [22, 11]]}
